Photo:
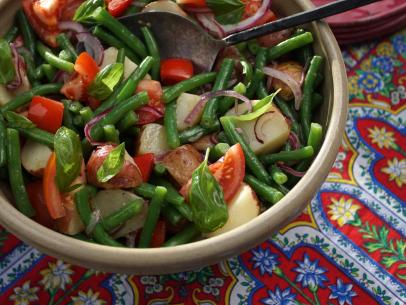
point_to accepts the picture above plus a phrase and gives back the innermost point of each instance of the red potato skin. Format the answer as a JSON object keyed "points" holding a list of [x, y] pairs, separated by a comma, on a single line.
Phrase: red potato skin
{"points": [[271, 40], [294, 70], [181, 162], [45, 18], [129, 176]]}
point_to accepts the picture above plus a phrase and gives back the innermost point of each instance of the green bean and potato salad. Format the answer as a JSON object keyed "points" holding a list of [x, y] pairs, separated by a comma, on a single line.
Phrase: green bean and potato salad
{"points": [[104, 141]]}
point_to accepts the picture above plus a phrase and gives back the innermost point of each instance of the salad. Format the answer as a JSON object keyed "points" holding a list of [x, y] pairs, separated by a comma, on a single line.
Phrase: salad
{"points": [[103, 140]]}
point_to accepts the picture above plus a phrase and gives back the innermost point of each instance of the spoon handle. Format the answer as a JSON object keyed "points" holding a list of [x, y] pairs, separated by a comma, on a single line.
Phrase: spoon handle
{"points": [[296, 19]]}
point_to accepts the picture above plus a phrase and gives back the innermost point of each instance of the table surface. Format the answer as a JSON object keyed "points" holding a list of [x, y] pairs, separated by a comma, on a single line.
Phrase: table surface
{"points": [[348, 247]]}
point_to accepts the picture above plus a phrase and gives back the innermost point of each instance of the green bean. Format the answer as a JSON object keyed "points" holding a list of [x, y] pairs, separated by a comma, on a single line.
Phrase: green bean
{"points": [[78, 120], [118, 112], [11, 34], [317, 100], [75, 107], [173, 92], [305, 53], [209, 116], [63, 54], [289, 45], [194, 133], [285, 109], [82, 198], [119, 217], [146, 190], [277, 175], [111, 134], [126, 89], [159, 169], [25, 98], [183, 208], [251, 159], [86, 113], [153, 50], [285, 156], [128, 121], [133, 131], [218, 151], [54, 60], [227, 102], [120, 56], [39, 73], [151, 220], [16, 175], [38, 135], [27, 32], [171, 129], [65, 44], [253, 46], [87, 148], [308, 89], [67, 116], [170, 214], [29, 64], [268, 193], [221, 137], [260, 62], [262, 92], [3, 142], [315, 136], [183, 237], [49, 71], [120, 31], [319, 80], [109, 39]]}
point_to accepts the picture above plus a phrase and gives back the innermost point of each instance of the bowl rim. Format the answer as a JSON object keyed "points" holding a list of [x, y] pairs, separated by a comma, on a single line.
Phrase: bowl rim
{"points": [[214, 249]]}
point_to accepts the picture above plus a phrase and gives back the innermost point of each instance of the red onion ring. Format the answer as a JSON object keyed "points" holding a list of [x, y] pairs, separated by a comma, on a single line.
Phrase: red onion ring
{"points": [[92, 46], [71, 26], [204, 98], [208, 22], [89, 126], [19, 67], [288, 80], [290, 170], [294, 140], [258, 126]]}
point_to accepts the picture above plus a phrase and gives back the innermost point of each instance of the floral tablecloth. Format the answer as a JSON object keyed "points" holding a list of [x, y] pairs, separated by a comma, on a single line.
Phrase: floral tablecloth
{"points": [[348, 247]]}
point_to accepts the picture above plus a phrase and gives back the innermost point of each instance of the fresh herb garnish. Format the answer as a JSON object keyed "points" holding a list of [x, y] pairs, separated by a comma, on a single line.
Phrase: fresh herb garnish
{"points": [[15, 120], [7, 71], [227, 11], [106, 80], [112, 164], [84, 13]]}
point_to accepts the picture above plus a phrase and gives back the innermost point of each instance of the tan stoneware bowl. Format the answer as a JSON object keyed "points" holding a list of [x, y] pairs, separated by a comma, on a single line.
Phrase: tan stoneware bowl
{"points": [[332, 116]]}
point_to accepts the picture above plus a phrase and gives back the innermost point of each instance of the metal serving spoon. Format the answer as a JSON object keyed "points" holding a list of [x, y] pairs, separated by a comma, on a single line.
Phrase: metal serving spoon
{"points": [[180, 37]]}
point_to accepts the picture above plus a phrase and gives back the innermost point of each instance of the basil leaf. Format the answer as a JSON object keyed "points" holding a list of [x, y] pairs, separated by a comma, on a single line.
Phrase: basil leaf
{"points": [[7, 70], [259, 109], [227, 11], [106, 80], [15, 120], [112, 164], [206, 198], [84, 13], [68, 151]]}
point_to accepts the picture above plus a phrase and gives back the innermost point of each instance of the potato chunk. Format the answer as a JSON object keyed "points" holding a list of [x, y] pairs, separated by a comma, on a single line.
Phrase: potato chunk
{"points": [[184, 106], [153, 140], [294, 70]]}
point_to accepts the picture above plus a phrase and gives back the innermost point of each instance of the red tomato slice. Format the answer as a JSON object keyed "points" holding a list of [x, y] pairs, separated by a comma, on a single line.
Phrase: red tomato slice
{"points": [[174, 70], [229, 172], [52, 196], [158, 237], [145, 164], [154, 90], [267, 17], [117, 7], [86, 67], [36, 196], [74, 89], [47, 114]]}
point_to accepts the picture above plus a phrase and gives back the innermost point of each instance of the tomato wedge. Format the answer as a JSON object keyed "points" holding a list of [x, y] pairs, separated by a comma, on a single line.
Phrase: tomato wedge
{"points": [[174, 70], [229, 172], [52, 196], [145, 164], [86, 67], [154, 90], [158, 237], [47, 114], [117, 7], [36, 196]]}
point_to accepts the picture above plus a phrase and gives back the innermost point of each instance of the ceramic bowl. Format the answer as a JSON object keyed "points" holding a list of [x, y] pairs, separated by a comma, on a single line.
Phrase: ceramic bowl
{"points": [[332, 116]]}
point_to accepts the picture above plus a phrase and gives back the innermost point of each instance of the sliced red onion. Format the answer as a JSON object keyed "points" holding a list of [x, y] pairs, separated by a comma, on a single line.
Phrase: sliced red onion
{"points": [[288, 80], [61, 77], [208, 22], [258, 126], [89, 126], [204, 98], [19, 67], [152, 110], [71, 26], [294, 140], [92, 46], [290, 170], [94, 220]]}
